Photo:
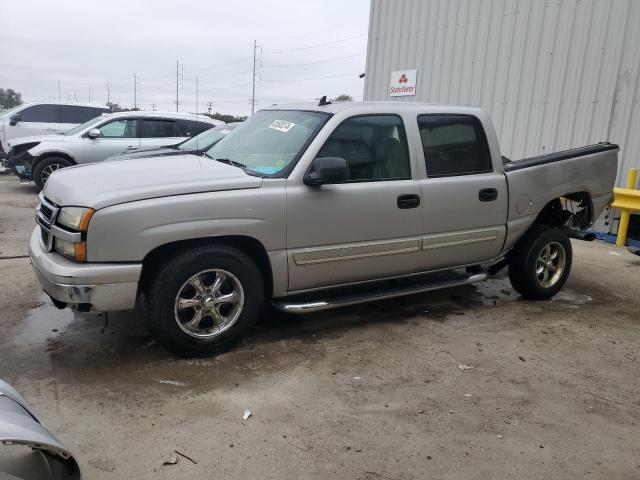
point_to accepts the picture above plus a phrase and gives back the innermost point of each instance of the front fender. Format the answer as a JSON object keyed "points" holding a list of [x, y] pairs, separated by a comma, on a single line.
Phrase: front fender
{"points": [[128, 232]]}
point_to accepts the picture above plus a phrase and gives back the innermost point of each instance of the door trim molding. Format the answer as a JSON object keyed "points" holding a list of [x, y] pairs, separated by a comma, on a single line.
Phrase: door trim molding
{"points": [[354, 251], [443, 240]]}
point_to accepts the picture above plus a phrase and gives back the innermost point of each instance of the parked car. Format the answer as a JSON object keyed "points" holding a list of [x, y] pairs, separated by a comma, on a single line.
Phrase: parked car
{"points": [[312, 207], [35, 158], [196, 145], [44, 118]]}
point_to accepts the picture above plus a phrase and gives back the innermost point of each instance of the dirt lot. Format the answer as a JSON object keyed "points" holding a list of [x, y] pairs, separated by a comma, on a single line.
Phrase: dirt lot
{"points": [[380, 391]]}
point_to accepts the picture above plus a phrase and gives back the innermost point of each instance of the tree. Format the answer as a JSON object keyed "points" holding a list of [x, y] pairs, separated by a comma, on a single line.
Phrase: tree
{"points": [[9, 98], [343, 98], [117, 108], [225, 118]]}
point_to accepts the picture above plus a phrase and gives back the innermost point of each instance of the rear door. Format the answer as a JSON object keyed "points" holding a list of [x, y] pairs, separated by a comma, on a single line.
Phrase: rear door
{"points": [[116, 136], [35, 120], [158, 132], [465, 199]]}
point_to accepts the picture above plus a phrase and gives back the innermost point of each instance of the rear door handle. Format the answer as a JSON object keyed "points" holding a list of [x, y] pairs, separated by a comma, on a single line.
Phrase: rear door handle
{"points": [[410, 200], [488, 194]]}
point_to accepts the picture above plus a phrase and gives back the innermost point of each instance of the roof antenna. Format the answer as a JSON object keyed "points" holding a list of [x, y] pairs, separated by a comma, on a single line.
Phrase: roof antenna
{"points": [[323, 101]]}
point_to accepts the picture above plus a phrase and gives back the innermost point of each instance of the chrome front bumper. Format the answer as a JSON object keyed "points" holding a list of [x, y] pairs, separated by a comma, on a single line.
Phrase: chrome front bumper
{"points": [[104, 286]]}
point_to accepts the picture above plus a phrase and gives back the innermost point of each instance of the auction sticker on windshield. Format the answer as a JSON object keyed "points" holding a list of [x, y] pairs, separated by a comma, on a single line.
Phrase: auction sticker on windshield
{"points": [[282, 125]]}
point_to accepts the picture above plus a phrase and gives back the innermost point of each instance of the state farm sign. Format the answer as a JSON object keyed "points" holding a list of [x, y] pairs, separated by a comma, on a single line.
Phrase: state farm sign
{"points": [[403, 82]]}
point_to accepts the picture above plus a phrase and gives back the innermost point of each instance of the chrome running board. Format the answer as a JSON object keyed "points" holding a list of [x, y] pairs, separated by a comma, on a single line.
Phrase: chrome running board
{"points": [[384, 290]]}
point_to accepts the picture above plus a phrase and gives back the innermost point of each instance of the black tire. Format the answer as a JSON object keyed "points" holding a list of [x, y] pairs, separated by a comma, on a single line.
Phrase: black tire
{"points": [[525, 260], [170, 280], [43, 169]]}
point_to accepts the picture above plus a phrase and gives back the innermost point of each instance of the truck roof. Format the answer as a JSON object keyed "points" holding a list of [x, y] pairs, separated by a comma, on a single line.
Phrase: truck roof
{"points": [[372, 107]]}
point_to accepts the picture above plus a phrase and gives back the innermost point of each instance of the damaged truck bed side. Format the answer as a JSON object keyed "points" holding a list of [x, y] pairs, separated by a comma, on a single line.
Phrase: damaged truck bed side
{"points": [[312, 207]]}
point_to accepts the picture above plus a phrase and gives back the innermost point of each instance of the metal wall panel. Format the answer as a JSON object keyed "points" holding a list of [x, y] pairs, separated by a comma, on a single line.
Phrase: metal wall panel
{"points": [[552, 74]]}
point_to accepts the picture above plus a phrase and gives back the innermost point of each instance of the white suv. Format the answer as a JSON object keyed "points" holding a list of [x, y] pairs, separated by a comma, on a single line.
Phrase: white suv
{"points": [[35, 158], [42, 118]]}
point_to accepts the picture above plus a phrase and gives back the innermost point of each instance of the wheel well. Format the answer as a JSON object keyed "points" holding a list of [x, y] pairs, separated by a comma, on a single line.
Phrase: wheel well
{"points": [[46, 155], [247, 245], [575, 209]]}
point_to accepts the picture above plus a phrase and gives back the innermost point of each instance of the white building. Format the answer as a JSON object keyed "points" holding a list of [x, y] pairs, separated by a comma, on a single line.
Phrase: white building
{"points": [[552, 74]]}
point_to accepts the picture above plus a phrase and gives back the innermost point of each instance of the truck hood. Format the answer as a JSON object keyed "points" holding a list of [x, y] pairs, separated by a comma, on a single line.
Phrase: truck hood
{"points": [[103, 184]]}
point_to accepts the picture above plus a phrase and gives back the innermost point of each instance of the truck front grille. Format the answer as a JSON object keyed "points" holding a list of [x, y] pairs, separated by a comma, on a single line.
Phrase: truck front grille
{"points": [[46, 213]]}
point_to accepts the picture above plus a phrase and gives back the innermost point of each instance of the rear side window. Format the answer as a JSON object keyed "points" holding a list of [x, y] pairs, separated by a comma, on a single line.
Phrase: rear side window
{"points": [[76, 114], [41, 113], [192, 128], [160, 128], [454, 145], [374, 147]]}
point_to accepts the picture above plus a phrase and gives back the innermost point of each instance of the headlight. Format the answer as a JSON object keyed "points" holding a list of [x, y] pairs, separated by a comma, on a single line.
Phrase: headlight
{"points": [[74, 251], [75, 218], [18, 149]]}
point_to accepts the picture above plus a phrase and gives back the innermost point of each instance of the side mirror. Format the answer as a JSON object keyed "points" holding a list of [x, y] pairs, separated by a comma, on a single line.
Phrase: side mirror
{"points": [[15, 118], [326, 170], [93, 133]]}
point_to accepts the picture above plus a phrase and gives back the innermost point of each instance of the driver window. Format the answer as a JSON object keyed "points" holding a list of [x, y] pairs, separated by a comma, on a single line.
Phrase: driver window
{"points": [[123, 128], [374, 147]]}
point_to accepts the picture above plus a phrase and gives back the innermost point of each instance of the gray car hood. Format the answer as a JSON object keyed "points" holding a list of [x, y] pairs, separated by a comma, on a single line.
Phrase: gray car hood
{"points": [[100, 185], [19, 426]]}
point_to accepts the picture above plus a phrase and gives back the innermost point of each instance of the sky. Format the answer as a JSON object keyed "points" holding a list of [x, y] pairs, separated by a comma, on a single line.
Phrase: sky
{"points": [[307, 49]]}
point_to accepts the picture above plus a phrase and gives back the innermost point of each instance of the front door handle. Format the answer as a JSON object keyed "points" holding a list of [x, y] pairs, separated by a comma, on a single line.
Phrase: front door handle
{"points": [[488, 194], [410, 200]]}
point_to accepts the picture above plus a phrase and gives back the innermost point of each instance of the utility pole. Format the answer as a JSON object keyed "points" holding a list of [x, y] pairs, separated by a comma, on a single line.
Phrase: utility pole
{"points": [[75, 95], [253, 78], [108, 93], [196, 95], [178, 75], [153, 106], [89, 94], [135, 91], [58, 91], [209, 107]]}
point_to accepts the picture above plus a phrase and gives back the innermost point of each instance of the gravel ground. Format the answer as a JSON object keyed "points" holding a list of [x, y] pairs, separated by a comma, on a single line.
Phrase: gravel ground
{"points": [[469, 382]]}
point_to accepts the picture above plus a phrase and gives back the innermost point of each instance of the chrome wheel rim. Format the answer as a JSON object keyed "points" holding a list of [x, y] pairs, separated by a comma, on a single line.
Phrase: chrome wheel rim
{"points": [[209, 303], [551, 264], [48, 170]]}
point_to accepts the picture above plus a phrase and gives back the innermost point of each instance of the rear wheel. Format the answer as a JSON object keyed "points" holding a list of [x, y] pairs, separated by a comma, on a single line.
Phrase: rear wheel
{"points": [[46, 167], [204, 300], [541, 262]]}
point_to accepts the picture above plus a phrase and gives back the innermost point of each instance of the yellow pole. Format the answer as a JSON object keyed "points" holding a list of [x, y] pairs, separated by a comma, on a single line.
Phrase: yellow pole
{"points": [[632, 180]]}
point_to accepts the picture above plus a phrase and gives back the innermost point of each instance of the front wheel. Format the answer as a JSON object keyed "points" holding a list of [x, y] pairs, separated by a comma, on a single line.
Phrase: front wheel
{"points": [[541, 262], [46, 167], [204, 300]]}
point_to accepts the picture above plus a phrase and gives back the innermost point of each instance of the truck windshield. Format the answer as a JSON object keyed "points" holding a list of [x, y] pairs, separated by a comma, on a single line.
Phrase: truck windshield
{"points": [[269, 141]]}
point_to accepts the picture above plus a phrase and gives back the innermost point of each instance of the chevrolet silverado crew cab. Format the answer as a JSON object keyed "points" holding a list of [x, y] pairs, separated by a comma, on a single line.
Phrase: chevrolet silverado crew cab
{"points": [[310, 207], [35, 158]]}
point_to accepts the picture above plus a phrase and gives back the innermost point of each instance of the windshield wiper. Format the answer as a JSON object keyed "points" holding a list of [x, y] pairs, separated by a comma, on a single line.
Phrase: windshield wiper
{"points": [[229, 162]]}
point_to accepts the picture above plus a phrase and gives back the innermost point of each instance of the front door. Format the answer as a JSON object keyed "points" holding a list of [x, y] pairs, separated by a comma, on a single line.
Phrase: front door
{"points": [[116, 136], [465, 199], [365, 228]]}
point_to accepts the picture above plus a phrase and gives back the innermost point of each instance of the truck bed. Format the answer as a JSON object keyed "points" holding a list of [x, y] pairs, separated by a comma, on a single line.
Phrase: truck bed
{"points": [[559, 156], [586, 172]]}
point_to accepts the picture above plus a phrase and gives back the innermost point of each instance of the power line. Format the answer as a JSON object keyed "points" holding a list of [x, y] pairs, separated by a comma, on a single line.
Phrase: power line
{"points": [[316, 46], [315, 63], [244, 59], [312, 78]]}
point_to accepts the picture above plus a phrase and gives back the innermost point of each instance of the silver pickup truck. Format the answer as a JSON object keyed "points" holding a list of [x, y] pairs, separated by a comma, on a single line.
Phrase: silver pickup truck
{"points": [[309, 207]]}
